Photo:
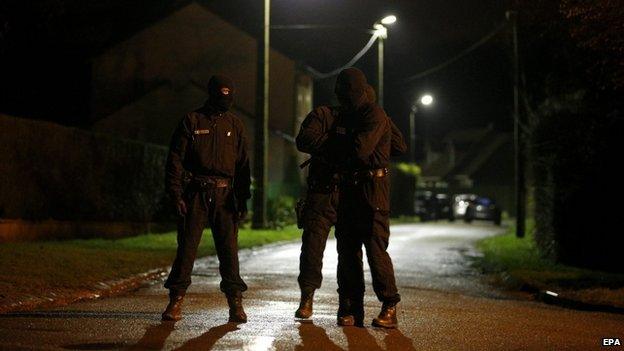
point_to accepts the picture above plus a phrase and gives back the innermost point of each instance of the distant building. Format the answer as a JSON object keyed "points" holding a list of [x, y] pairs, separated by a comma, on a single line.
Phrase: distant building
{"points": [[472, 161], [143, 86]]}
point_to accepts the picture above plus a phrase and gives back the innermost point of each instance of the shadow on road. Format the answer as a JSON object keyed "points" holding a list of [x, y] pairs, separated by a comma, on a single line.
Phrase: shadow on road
{"points": [[314, 338], [395, 340], [207, 340], [154, 337], [360, 339]]}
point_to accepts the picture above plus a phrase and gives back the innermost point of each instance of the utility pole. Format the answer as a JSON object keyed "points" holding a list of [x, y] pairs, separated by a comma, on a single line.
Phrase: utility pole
{"points": [[261, 156], [519, 157], [380, 68]]}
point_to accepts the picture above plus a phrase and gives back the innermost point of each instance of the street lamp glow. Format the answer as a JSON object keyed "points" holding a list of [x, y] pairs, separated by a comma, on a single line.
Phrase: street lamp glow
{"points": [[389, 20], [426, 100]]}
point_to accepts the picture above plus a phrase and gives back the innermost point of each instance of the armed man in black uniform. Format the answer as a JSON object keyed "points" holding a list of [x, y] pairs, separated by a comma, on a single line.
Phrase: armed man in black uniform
{"points": [[364, 205], [317, 137], [210, 145]]}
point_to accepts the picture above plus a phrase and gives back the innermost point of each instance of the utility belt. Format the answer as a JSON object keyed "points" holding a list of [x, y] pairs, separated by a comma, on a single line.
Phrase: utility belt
{"points": [[203, 186], [365, 175], [331, 184], [207, 183]]}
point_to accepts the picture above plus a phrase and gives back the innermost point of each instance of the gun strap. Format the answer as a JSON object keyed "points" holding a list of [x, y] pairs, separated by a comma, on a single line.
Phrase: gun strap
{"points": [[306, 163]]}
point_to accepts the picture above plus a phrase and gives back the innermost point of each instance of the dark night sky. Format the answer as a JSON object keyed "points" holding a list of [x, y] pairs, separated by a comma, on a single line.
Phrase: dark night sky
{"points": [[42, 35], [473, 92]]}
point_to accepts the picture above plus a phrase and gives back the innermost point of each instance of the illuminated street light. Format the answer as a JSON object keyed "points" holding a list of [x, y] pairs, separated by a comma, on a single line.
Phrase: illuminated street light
{"points": [[426, 100], [389, 20], [382, 34]]}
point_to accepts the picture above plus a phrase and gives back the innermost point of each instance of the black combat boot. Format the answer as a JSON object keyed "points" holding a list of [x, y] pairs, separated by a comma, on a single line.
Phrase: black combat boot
{"points": [[237, 314], [345, 315], [387, 317], [305, 306], [173, 312]]}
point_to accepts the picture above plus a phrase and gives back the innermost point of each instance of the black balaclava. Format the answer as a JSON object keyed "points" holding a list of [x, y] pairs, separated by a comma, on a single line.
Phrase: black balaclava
{"points": [[351, 88], [221, 93]]}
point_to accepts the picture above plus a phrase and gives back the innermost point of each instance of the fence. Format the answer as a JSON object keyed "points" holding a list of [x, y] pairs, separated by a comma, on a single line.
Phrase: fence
{"points": [[51, 172]]}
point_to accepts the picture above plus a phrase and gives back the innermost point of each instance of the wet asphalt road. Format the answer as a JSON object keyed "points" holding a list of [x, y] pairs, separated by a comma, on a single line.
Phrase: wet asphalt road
{"points": [[445, 307]]}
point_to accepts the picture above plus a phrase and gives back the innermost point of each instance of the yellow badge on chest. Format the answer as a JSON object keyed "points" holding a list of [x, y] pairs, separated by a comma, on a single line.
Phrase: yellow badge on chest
{"points": [[202, 131]]}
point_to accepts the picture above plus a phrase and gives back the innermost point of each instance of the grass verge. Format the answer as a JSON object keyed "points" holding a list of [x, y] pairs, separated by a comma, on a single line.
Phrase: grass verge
{"points": [[517, 264], [404, 220], [38, 268]]}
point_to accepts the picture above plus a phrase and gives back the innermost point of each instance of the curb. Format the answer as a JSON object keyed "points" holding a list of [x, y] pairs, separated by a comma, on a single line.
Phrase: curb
{"points": [[102, 289], [553, 298]]}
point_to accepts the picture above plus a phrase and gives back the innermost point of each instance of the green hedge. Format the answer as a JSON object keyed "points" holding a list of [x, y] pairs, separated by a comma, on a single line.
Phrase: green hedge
{"points": [[578, 184], [48, 171]]}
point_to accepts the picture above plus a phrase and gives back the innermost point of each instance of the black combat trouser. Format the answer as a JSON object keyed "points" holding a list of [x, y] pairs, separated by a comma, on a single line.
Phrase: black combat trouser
{"points": [[362, 223], [215, 208], [320, 214]]}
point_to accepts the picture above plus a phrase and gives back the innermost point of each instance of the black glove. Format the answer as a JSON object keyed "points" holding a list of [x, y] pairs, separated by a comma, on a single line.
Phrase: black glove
{"points": [[241, 211], [181, 206]]}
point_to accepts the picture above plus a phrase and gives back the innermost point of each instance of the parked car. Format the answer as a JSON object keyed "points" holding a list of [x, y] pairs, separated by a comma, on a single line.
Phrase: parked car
{"points": [[483, 208], [460, 204], [431, 206]]}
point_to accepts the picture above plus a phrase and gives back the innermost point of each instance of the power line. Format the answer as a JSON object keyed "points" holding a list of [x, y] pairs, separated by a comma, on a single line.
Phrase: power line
{"points": [[317, 74], [459, 56], [354, 60], [318, 26]]}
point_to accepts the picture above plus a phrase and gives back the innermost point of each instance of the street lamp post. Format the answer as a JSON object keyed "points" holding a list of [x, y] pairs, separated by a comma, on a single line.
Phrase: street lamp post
{"points": [[425, 100], [382, 34], [380, 64], [261, 156]]}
